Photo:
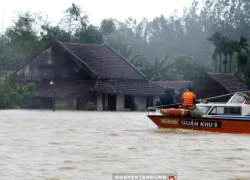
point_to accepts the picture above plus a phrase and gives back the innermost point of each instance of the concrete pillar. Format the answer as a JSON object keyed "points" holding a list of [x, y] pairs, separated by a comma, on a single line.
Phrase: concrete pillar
{"points": [[99, 102], [140, 103], [155, 99], [119, 102]]}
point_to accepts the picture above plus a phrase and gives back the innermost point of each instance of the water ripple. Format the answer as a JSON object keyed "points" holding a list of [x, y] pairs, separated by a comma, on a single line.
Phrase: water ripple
{"points": [[93, 145]]}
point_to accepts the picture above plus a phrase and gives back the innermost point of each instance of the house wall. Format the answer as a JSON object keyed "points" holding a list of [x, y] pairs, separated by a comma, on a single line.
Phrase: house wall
{"points": [[99, 103], [120, 102], [87, 101], [65, 104], [51, 64], [140, 103]]}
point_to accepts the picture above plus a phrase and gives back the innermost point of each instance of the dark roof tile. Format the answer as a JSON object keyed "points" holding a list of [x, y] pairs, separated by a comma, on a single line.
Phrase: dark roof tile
{"points": [[104, 61], [69, 88], [230, 82], [128, 87]]}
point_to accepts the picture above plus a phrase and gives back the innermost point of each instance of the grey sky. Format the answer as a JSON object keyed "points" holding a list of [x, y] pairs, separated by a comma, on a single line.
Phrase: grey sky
{"points": [[95, 9]]}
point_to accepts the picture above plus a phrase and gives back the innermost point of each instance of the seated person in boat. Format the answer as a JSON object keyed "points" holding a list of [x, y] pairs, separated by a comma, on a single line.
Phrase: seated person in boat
{"points": [[188, 100]]}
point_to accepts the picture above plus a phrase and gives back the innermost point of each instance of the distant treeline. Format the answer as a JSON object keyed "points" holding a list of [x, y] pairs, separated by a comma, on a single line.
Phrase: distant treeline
{"points": [[209, 36]]}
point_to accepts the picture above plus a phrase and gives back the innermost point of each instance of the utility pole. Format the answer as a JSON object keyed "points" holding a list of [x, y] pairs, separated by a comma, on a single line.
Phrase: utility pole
{"points": [[52, 84]]}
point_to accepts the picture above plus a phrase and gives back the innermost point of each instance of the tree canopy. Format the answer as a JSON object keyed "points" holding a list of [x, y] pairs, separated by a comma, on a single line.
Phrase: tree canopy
{"points": [[211, 35]]}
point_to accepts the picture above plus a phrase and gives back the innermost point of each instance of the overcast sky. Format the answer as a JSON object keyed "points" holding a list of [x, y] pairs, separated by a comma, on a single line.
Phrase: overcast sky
{"points": [[95, 9]]}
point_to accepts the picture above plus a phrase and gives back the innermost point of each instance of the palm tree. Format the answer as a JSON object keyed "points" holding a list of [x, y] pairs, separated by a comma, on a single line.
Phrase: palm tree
{"points": [[232, 49], [225, 47], [214, 57], [216, 38], [157, 70], [243, 52]]}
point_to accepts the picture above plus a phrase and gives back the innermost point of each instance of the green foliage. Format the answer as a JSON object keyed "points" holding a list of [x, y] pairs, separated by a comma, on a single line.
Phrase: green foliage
{"points": [[20, 42], [157, 70], [73, 19], [88, 35], [180, 68], [13, 95], [107, 26], [51, 34], [185, 68], [229, 47], [144, 43]]}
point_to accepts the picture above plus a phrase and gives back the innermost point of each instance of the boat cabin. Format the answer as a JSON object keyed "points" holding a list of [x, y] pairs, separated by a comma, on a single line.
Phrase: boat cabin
{"points": [[238, 105]]}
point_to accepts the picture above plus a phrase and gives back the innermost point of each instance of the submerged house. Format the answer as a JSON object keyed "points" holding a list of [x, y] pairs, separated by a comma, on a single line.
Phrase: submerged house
{"points": [[76, 76], [210, 84]]}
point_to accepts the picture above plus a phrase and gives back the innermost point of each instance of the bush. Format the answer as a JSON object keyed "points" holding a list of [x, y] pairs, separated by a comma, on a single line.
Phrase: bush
{"points": [[13, 95]]}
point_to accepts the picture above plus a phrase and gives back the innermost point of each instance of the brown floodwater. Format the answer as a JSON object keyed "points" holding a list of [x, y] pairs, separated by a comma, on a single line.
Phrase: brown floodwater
{"points": [[93, 145]]}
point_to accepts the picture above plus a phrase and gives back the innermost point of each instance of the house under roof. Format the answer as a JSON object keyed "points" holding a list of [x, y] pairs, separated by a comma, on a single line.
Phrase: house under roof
{"points": [[230, 82], [88, 73], [213, 84]]}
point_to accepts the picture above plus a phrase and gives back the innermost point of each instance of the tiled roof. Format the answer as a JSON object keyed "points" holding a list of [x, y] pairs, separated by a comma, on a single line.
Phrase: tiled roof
{"points": [[128, 87], [69, 88], [103, 61], [230, 82]]}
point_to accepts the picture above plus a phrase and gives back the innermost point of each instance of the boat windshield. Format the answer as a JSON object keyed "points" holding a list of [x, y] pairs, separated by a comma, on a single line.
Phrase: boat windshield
{"points": [[203, 109], [237, 99], [220, 110]]}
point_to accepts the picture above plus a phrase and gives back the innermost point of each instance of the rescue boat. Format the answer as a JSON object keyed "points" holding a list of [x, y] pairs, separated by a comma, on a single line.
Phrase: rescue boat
{"points": [[230, 117]]}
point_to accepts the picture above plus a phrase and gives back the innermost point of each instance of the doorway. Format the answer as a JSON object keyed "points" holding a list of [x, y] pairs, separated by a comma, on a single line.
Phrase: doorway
{"points": [[129, 102], [111, 102]]}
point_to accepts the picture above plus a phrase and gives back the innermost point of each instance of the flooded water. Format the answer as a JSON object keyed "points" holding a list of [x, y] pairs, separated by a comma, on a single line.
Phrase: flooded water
{"points": [[93, 145]]}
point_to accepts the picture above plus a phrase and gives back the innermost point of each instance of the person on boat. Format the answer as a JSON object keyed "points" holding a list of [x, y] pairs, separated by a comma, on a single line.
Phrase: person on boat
{"points": [[188, 98], [188, 101]]}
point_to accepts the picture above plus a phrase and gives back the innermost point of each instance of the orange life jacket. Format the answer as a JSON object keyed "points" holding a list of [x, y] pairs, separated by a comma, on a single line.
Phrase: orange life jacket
{"points": [[187, 99]]}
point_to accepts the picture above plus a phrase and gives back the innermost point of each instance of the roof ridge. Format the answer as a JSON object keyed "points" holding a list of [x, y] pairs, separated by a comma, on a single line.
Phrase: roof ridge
{"points": [[77, 43]]}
